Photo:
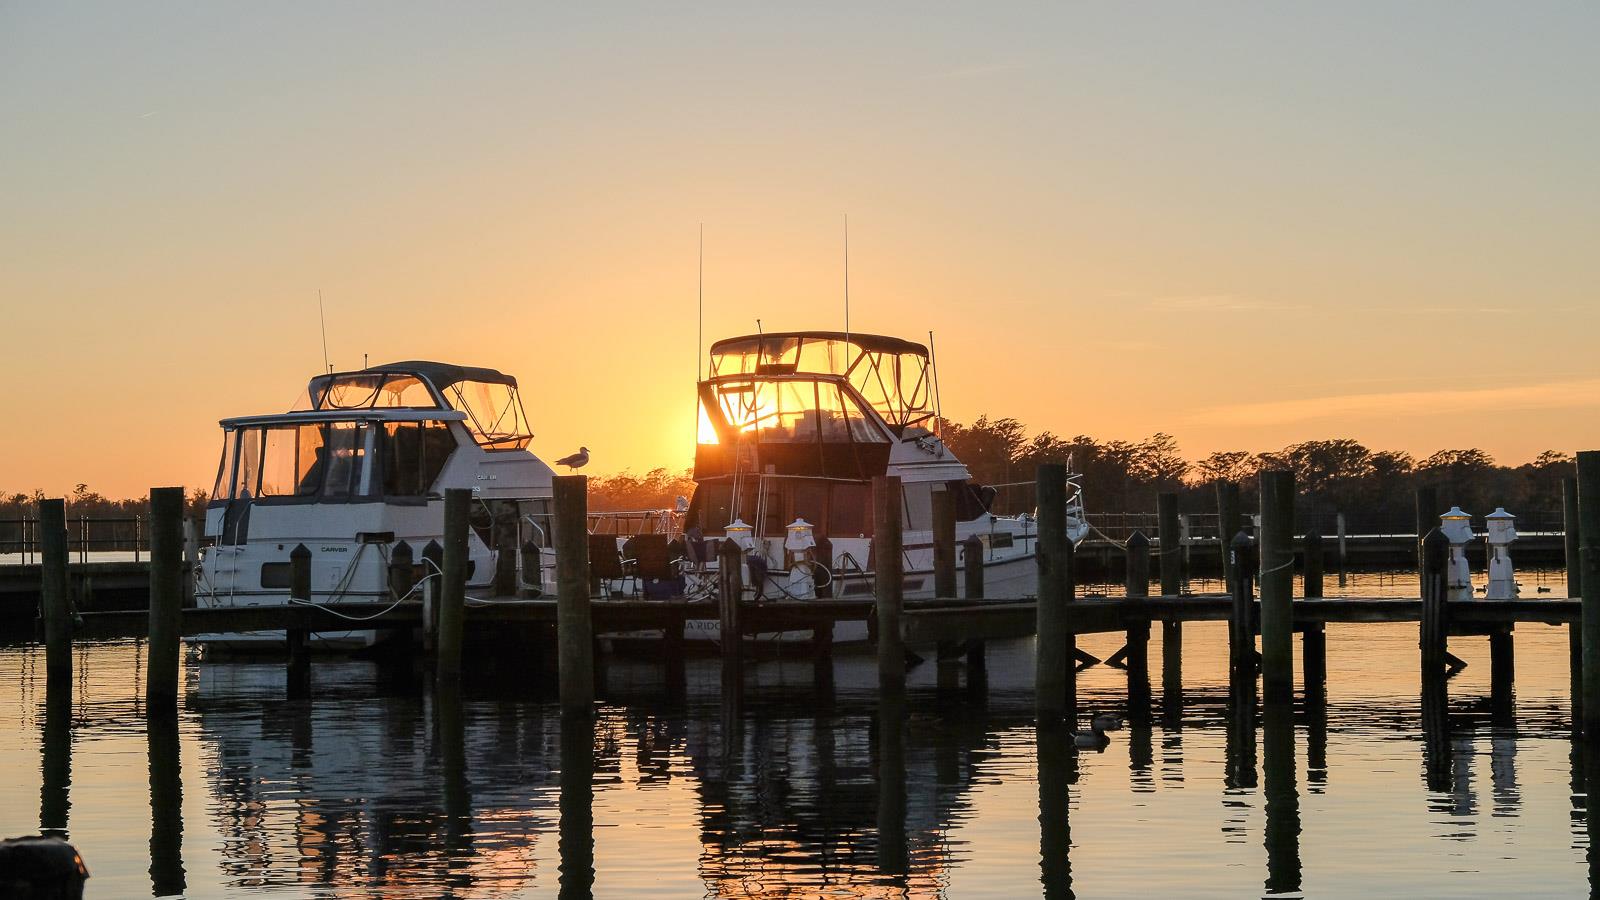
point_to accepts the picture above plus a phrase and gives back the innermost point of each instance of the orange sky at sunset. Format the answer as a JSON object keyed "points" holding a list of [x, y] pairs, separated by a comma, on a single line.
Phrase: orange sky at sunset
{"points": [[1245, 225]]}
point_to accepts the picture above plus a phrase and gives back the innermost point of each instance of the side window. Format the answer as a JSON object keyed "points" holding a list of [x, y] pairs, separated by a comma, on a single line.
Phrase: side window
{"points": [[249, 466], [223, 489], [413, 455], [278, 462], [917, 510], [345, 452]]}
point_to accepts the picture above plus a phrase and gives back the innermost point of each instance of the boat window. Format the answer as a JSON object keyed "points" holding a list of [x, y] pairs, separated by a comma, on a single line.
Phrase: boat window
{"points": [[345, 452], [716, 505], [792, 411], [244, 481], [917, 508], [370, 391], [494, 414], [849, 509], [223, 488], [413, 455], [537, 525], [809, 500]]}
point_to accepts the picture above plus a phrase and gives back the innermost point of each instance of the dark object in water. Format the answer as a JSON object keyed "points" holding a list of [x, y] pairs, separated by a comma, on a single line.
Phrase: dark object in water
{"points": [[41, 868]]}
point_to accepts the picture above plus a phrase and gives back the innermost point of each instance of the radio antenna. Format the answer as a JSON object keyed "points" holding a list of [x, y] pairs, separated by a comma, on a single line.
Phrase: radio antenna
{"points": [[700, 335], [847, 278], [322, 318], [938, 410]]}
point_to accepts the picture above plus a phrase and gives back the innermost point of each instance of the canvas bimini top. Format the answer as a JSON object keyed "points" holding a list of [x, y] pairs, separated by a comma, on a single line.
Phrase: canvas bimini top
{"points": [[488, 397], [894, 376]]}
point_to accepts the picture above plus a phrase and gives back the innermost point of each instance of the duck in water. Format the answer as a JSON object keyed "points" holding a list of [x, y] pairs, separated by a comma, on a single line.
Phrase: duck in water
{"points": [[1094, 738]]}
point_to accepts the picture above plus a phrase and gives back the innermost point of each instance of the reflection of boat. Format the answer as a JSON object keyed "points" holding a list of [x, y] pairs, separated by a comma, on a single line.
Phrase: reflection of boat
{"points": [[793, 427], [360, 465]]}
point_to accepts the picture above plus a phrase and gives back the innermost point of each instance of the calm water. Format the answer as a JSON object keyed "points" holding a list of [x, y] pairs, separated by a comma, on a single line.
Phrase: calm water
{"points": [[379, 788]]}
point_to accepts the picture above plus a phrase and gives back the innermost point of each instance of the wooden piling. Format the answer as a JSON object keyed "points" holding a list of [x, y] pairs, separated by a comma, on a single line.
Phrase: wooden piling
{"points": [[1589, 556], [1228, 524], [166, 597], [888, 583], [1570, 529], [432, 572], [1137, 582], [1277, 584], [1053, 657], [944, 541], [1171, 562], [506, 547], [1427, 512], [402, 571], [55, 605], [574, 627], [1435, 619], [1339, 526], [453, 586], [1313, 565], [730, 589], [298, 685], [1240, 559]]}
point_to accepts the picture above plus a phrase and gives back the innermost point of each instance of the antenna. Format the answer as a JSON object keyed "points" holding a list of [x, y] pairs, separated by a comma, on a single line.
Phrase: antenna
{"points": [[847, 278], [700, 335], [938, 410], [758, 328], [323, 319]]}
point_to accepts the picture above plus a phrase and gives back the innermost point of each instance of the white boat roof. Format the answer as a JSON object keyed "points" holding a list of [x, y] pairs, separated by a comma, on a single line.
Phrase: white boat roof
{"points": [[348, 415]]}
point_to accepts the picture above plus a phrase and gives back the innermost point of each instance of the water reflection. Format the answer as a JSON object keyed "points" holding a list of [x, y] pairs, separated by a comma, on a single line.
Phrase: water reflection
{"points": [[772, 788]]}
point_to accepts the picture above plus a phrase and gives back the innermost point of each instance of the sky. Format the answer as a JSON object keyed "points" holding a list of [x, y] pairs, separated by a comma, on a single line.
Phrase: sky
{"points": [[1244, 224]]}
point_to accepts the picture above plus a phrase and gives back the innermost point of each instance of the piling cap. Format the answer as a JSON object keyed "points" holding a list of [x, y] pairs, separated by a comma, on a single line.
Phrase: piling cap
{"points": [[300, 551], [1137, 540], [1242, 539]]}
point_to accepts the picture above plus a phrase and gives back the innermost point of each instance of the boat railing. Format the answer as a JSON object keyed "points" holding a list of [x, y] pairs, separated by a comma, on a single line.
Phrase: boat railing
{"points": [[101, 538], [627, 523]]}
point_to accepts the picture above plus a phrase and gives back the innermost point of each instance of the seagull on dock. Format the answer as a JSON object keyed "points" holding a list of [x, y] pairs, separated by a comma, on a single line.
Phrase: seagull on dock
{"points": [[575, 461]]}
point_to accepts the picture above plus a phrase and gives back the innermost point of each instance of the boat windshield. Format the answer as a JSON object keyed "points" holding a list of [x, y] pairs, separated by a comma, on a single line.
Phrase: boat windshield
{"points": [[784, 411], [894, 376], [363, 390]]}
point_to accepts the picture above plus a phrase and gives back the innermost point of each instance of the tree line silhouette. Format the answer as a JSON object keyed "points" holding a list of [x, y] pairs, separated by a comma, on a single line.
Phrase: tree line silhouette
{"points": [[1334, 475]]}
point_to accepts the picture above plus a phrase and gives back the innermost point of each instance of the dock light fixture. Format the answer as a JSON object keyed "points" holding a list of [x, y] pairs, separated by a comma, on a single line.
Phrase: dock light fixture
{"points": [[800, 543], [742, 535], [1502, 531], [1457, 528]]}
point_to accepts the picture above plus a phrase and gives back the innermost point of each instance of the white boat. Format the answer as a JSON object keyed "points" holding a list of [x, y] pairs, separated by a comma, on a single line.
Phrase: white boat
{"points": [[359, 466], [793, 427]]}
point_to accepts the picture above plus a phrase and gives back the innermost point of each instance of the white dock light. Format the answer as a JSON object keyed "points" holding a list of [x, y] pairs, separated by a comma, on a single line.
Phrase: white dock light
{"points": [[1502, 531], [741, 534], [1457, 528], [798, 536]]}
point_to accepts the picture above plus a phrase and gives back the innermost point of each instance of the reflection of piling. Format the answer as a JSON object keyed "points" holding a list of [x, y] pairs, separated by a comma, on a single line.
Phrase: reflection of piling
{"points": [[1053, 657], [452, 735], [1436, 732], [453, 590], [1167, 531], [1502, 673], [888, 583], [55, 606], [577, 805], [1277, 585], [166, 595], [56, 758], [894, 855], [1282, 799], [1589, 555], [1172, 672], [166, 805], [1314, 657], [574, 627], [1239, 748], [730, 588], [1053, 750]]}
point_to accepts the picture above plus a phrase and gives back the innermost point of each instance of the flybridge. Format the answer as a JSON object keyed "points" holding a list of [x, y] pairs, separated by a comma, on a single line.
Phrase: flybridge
{"points": [[895, 377]]}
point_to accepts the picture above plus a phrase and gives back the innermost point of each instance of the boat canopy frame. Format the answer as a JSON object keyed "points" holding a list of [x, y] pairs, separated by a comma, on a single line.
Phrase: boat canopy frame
{"points": [[895, 377]]}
